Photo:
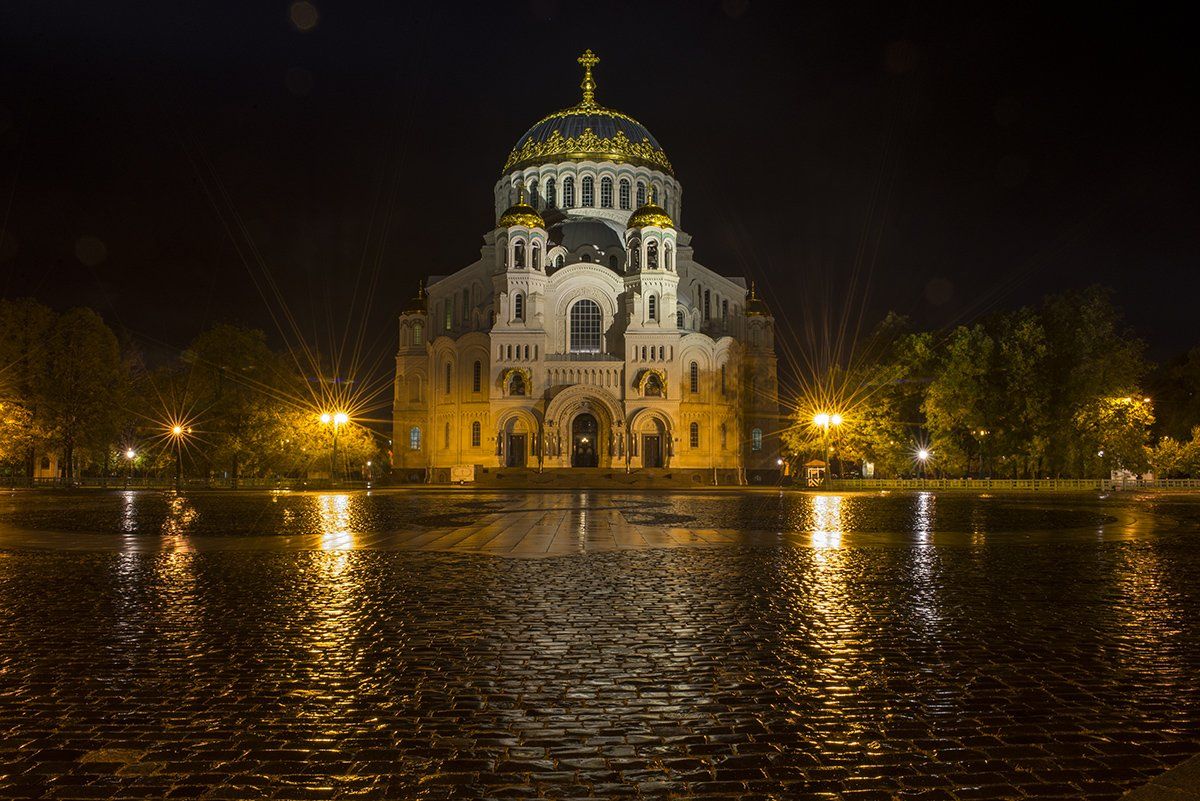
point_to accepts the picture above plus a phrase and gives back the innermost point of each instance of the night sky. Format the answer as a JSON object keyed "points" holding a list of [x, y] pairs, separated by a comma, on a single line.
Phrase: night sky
{"points": [[158, 161]]}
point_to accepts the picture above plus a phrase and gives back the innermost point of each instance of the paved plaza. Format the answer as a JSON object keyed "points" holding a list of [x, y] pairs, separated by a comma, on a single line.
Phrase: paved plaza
{"points": [[460, 644]]}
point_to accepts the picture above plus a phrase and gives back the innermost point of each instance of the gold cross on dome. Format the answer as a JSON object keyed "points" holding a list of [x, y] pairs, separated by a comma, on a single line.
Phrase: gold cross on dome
{"points": [[588, 60]]}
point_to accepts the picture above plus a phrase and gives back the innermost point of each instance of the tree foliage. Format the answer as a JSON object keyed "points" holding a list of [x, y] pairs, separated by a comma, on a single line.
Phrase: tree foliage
{"points": [[1033, 393]]}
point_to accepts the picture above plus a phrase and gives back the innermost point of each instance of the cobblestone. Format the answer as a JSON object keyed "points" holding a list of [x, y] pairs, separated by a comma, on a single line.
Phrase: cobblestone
{"points": [[985, 665]]}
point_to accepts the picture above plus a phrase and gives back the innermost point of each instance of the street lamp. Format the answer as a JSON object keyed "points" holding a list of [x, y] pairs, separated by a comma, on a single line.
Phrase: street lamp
{"points": [[130, 455], [178, 433], [336, 419], [823, 420], [922, 457]]}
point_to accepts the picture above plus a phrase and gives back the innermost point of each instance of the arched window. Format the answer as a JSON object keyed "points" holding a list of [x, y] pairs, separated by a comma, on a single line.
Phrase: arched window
{"points": [[652, 387], [679, 319], [606, 198], [519, 254], [516, 384], [722, 379], [476, 434], [586, 257], [418, 334], [668, 256], [585, 322], [568, 192], [535, 256], [694, 377], [756, 439], [694, 434], [448, 314], [466, 303], [550, 198], [414, 388], [518, 306], [652, 255], [449, 370], [446, 435], [641, 193], [707, 305], [559, 261], [635, 253], [589, 191], [477, 376], [533, 193], [613, 262], [652, 308], [623, 191], [724, 310], [414, 438], [666, 201]]}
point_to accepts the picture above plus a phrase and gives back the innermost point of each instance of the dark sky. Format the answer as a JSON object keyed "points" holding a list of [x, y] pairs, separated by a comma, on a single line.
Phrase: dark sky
{"points": [[942, 161]]}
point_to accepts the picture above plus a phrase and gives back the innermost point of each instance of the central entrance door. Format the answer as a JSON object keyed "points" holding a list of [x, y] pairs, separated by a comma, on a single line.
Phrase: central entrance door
{"points": [[651, 451], [516, 450], [584, 433]]}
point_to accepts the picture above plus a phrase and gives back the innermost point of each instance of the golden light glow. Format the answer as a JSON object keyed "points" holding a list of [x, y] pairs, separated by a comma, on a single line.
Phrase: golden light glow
{"points": [[821, 420], [326, 418], [177, 430], [129, 454], [341, 418]]}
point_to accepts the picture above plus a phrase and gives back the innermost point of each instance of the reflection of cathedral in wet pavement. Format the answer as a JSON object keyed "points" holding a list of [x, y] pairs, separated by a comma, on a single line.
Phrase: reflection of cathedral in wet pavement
{"points": [[586, 335]]}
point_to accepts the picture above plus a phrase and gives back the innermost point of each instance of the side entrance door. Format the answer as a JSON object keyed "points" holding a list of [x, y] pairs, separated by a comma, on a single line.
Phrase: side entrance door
{"points": [[516, 450], [652, 451]]}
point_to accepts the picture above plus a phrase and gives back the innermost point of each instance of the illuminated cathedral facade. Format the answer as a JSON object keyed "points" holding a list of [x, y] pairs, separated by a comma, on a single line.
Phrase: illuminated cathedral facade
{"points": [[586, 335]]}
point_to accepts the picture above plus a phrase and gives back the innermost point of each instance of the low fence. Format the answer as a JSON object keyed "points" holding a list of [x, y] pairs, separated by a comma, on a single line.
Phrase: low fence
{"points": [[1018, 484], [138, 482]]}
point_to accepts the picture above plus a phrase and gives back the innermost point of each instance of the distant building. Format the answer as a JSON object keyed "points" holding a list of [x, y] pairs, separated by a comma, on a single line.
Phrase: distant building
{"points": [[586, 334]]}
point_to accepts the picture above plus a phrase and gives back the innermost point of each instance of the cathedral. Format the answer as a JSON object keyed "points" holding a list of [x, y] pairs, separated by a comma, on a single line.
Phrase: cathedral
{"points": [[586, 335]]}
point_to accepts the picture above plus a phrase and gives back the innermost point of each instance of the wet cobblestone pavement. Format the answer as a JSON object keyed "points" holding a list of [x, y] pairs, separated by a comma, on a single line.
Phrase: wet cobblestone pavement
{"points": [[865, 648]]}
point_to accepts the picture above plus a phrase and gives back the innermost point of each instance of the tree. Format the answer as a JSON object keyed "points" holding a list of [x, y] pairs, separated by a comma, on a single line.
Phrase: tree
{"points": [[238, 381], [1116, 431], [958, 400], [24, 330], [80, 386]]}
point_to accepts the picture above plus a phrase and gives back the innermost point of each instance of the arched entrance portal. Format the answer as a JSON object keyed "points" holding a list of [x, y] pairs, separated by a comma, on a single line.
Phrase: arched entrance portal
{"points": [[585, 434]]}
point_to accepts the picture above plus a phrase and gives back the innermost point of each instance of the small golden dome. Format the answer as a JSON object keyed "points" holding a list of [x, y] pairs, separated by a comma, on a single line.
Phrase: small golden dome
{"points": [[650, 214], [521, 213], [755, 306]]}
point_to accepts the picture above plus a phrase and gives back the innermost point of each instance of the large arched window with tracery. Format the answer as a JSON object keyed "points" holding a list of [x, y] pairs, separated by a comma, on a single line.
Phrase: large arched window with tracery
{"points": [[652, 308], [641, 194], [624, 193], [606, 197], [518, 306], [551, 198], [585, 331], [694, 377], [589, 192], [568, 192]]}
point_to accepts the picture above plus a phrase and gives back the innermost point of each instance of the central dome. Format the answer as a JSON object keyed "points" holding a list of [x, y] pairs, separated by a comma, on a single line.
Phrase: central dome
{"points": [[588, 132]]}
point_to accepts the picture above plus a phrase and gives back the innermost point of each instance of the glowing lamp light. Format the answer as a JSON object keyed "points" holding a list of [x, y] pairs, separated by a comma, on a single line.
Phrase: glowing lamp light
{"points": [[129, 454], [821, 420], [341, 418], [326, 418], [779, 462], [177, 430], [922, 454]]}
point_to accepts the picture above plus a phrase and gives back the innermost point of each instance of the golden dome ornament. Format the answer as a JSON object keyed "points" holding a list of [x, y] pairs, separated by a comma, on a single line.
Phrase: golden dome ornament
{"points": [[651, 214], [521, 213]]}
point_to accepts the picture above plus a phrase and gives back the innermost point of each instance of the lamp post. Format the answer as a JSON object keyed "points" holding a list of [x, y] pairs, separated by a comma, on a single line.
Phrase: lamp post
{"points": [[178, 433], [823, 421], [336, 419], [922, 457], [130, 455]]}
